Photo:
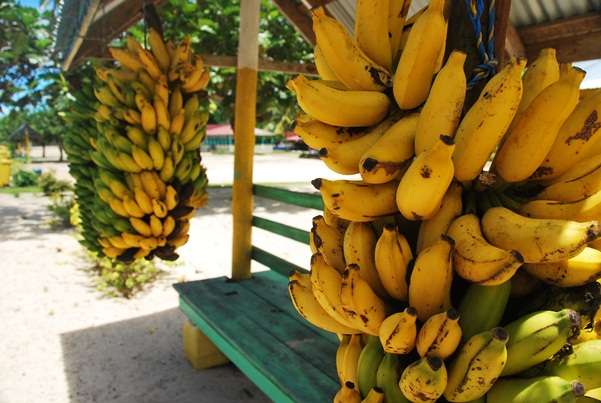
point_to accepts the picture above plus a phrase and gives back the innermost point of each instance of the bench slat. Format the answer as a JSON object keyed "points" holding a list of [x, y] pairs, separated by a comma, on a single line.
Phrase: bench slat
{"points": [[274, 262], [300, 199], [289, 361], [281, 229]]}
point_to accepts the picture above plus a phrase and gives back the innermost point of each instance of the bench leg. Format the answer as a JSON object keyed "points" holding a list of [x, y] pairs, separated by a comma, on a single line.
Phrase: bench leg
{"points": [[199, 350]]}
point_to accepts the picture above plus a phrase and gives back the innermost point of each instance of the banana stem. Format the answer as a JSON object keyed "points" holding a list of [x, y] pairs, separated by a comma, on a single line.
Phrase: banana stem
{"points": [[470, 203]]}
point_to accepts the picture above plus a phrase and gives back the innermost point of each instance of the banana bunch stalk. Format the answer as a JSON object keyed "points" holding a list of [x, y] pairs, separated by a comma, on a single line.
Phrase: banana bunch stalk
{"points": [[137, 157], [428, 264]]}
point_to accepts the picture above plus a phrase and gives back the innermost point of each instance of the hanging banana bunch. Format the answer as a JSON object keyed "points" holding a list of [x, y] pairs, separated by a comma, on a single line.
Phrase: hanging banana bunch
{"points": [[143, 150]]}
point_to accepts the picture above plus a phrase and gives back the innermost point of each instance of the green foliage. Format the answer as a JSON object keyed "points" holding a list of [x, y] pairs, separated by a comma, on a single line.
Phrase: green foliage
{"points": [[60, 206], [23, 178], [51, 185], [119, 279]]}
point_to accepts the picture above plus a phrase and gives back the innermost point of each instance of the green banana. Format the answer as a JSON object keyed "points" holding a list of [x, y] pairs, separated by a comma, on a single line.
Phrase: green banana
{"points": [[549, 389], [584, 364], [536, 337], [387, 378], [482, 307], [369, 361]]}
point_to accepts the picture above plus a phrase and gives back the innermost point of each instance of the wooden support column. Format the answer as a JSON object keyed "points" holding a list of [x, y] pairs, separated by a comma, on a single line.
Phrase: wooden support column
{"points": [[244, 137]]}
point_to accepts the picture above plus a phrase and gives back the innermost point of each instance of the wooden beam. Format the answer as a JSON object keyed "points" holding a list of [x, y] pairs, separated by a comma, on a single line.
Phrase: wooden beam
{"points": [[513, 44], [575, 38], [264, 65], [113, 21], [299, 17], [502, 10], [83, 29], [244, 137], [311, 4]]}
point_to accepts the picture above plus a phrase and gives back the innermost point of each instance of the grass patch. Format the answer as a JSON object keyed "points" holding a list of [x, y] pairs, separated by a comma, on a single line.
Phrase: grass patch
{"points": [[14, 191]]}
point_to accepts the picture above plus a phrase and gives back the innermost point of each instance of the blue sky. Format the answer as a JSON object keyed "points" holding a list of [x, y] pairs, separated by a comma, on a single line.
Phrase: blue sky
{"points": [[30, 3]]}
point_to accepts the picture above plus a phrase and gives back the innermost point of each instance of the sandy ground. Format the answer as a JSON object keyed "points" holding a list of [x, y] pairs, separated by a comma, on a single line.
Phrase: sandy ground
{"points": [[63, 341]]}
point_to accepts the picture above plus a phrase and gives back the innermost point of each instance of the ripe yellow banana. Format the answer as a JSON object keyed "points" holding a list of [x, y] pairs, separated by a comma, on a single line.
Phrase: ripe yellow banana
{"points": [[334, 221], [136, 135], [397, 13], [360, 302], [336, 105], [487, 121], [577, 138], [149, 119], [585, 209], [132, 208], [168, 226], [348, 394], [171, 198], [149, 185], [440, 335], [442, 110], [164, 139], [431, 229], [348, 62], [533, 134], [176, 102], [475, 259], [413, 77], [538, 240], [477, 366], [301, 294], [344, 341], [350, 360], [159, 50], [192, 127], [385, 159], [543, 72], [142, 158], [344, 157], [326, 282], [425, 183], [168, 169], [431, 279], [392, 256], [359, 245], [324, 71], [150, 63], [156, 226], [398, 332], [156, 153], [132, 240], [329, 242], [126, 58], [357, 201], [161, 113], [112, 252], [375, 395], [579, 270], [177, 124], [424, 380], [318, 135], [580, 181], [140, 226], [371, 30], [159, 208]]}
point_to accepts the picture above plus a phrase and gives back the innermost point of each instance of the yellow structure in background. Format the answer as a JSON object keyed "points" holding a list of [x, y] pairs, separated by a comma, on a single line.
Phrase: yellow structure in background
{"points": [[5, 164], [199, 350]]}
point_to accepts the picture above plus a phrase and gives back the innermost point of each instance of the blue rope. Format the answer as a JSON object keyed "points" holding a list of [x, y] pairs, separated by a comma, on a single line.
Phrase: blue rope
{"points": [[486, 48]]}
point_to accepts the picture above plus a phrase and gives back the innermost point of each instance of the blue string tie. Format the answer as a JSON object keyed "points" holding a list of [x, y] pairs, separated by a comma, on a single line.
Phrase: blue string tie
{"points": [[486, 47]]}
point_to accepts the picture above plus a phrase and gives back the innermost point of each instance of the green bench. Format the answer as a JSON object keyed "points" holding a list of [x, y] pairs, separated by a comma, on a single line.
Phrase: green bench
{"points": [[256, 327]]}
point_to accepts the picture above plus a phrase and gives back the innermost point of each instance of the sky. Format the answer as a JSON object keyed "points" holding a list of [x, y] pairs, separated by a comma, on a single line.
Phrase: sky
{"points": [[29, 3]]}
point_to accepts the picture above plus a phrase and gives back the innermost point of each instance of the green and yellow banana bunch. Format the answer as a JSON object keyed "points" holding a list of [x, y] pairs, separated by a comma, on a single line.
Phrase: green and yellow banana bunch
{"points": [[461, 261], [135, 150]]}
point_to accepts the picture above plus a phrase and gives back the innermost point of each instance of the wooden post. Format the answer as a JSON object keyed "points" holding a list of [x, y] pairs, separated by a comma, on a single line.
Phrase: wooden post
{"points": [[244, 137]]}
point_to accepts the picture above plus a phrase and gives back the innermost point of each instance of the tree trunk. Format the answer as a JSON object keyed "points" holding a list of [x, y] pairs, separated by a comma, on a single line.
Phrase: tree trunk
{"points": [[44, 150], [60, 150]]}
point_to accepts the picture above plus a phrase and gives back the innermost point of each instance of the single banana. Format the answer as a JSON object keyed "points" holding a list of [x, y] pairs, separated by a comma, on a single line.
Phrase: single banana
{"points": [[156, 153], [367, 367], [398, 332], [126, 58], [387, 378], [442, 111], [424, 380], [159, 208], [440, 335], [177, 123], [156, 226], [536, 337], [543, 72], [475, 259], [547, 389], [329, 242], [360, 302], [132, 208], [371, 30], [350, 64], [425, 183], [578, 137], [392, 256], [582, 180], [344, 157], [350, 360], [397, 13], [168, 226], [413, 77], [385, 159], [482, 308], [344, 342], [584, 364], [326, 282], [334, 221], [192, 127], [159, 50], [164, 139], [358, 246], [149, 119], [538, 240], [431, 229], [331, 103], [324, 71], [348, 394], [137, 136], [141, 158], [161, 112], [585, 209], [301, 294], [357, 201], [168, 169], [431, 279], [140, 226], [318, 135], [477, 366], [533, 134], [171, 197], [486, 121]]}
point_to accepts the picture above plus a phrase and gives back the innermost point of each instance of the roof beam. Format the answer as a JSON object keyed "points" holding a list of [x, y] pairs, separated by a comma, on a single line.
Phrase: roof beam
{"points": [[264, 64], [574, 38], [298, 16], [514, 47]]}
